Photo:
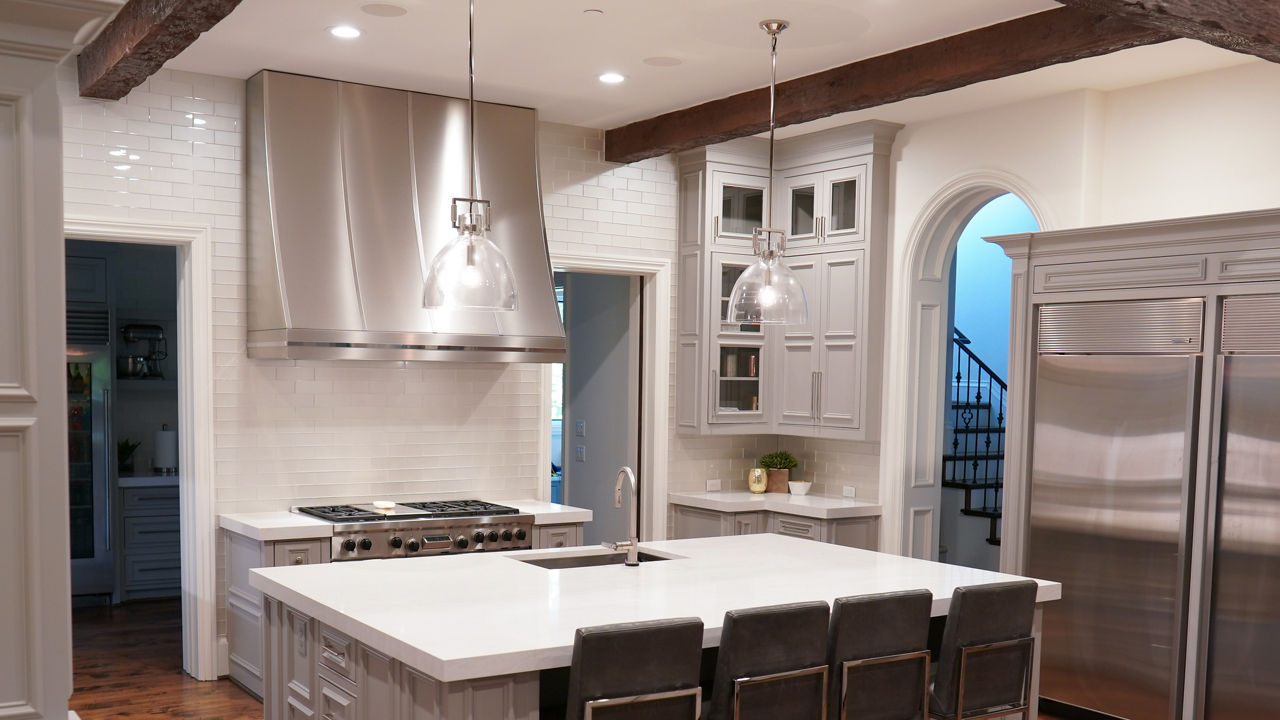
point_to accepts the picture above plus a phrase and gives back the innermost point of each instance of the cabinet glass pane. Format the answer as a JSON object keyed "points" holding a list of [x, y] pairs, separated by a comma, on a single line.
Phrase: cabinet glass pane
{"points": [[728, 276], [802, 210], [739, 384], [844, 205], [80, 455], [741, 209]]}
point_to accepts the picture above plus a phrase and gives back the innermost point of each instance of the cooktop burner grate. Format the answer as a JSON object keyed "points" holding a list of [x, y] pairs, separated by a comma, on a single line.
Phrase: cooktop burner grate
{"points": [[342, 513], [461, 508]]}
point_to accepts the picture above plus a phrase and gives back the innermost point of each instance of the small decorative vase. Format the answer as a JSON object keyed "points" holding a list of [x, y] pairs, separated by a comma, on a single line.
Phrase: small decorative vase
{"points": [[778, 480], [799, 487], [757, 480]]}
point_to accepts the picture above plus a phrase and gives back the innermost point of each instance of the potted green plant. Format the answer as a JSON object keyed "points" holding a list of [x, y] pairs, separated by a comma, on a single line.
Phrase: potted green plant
{"points": [[124, 455], [778, 465]]}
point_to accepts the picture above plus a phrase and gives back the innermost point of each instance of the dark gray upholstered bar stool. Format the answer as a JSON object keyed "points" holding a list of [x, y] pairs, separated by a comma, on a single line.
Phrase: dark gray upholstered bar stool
{"points": [[879, 656], [636, 671], [984, 665], [772, 664]]}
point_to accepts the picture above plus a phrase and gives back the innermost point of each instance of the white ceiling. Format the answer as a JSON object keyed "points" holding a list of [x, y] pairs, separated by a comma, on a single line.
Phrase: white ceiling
{"points": [[547, 54]]}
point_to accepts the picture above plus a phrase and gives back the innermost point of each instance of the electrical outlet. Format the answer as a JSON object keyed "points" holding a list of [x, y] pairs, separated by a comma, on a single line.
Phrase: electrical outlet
{"points": [[713, 485], [848, 491], [580, 453], [580, 428]]}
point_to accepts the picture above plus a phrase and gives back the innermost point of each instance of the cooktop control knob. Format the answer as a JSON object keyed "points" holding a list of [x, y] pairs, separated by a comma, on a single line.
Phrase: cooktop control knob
{"points": [[521, 534], [478, 537], [349, 544], [493, 536], [413, 545], [366, 544], [396, 542], [506, 535], [462, 541]]}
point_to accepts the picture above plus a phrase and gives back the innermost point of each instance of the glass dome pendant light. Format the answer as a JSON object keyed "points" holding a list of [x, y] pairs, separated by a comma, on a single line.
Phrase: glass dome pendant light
{"points": [[768, 292], [471, 272]]}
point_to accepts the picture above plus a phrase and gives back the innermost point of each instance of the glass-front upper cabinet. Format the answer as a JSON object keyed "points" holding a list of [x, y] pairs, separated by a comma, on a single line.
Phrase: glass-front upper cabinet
{"points": [[728, 269], [740, 201], [822, 208]]}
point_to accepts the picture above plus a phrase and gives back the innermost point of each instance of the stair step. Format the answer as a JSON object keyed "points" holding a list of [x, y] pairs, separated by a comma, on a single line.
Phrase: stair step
{"points": [[973, 456], [986, 512], [977, 430], [962, 485]]}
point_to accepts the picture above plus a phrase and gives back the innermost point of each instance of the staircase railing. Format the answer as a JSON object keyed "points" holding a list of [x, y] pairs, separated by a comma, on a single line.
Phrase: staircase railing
{"points": [[976, 461]]}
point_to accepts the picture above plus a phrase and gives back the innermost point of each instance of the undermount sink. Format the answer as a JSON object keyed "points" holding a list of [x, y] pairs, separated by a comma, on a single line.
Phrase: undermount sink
{"points": [[565, 562]]}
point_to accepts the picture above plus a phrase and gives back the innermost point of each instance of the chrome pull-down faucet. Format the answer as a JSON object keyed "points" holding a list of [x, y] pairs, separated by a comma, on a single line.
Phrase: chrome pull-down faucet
{"points": [[632, 546]]}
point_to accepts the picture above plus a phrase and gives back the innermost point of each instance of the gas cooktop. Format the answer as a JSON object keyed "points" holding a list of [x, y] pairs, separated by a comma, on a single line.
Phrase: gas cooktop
{"points": [[369, 512]]}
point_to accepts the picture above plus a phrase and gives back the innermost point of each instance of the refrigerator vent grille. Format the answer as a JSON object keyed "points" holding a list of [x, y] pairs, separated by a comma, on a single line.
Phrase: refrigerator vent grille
{"points": [[1160, 327], [1251, 324], [88, 324]]}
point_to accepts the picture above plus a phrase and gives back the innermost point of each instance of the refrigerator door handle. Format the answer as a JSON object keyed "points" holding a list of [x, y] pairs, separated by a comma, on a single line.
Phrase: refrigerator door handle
{"points": [[106, 463]]}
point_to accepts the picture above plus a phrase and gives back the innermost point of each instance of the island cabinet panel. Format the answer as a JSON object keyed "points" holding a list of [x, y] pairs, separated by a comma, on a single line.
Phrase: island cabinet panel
{"points": [[335, 703], [554, 536], [506, 697]]}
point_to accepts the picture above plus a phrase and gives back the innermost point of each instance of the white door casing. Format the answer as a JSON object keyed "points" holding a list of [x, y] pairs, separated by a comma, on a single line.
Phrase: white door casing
{"points": [[915, 363], [200, 654], [35, 595]]}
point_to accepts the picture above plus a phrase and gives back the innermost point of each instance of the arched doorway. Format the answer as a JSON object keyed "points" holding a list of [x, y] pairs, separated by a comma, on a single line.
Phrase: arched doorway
{"points": [[919, 333], [975, 408]]}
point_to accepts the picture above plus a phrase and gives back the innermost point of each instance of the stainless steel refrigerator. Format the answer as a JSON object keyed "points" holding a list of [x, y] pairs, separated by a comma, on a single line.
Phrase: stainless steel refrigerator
{"points": [[89, 471], [1114, 457]]}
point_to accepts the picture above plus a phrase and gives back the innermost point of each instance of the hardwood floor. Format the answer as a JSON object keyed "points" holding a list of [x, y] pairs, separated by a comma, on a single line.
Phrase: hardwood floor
{"points": [[127, 663]]}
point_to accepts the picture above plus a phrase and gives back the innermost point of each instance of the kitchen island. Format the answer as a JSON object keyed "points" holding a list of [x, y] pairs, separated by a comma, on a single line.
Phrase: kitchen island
{"points": [[464, 637]]}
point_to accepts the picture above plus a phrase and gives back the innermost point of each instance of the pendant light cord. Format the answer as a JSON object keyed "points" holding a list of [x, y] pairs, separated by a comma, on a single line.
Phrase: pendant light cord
{"points": [[773, 84], [471, 97]]}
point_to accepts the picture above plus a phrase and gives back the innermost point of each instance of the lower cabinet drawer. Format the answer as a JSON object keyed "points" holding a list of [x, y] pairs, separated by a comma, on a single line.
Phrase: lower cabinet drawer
{"points": [[797, 526], [159, 531], [335, 703], [150, 501], [337, 653], [153, 570]]}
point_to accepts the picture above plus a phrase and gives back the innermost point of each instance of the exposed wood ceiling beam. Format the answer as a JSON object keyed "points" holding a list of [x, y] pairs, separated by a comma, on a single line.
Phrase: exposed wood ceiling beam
{"points": [[142, 37], [1008, 48], [1244, 26]]}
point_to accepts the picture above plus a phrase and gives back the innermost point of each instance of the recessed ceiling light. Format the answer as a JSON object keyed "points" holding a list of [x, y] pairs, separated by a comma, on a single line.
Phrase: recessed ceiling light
{"points": [[384, 9], [346, 32], [662, 61], [612, 78]]}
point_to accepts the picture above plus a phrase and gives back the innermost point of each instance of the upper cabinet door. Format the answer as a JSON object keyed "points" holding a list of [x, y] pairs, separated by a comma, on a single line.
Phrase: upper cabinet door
{"points": [[796, 366], [844, 204], [841, 376], [738, 204], [798, 210]]}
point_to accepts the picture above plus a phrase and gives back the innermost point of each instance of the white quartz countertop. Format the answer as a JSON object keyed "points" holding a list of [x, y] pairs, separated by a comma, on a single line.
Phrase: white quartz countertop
{"points": [[458, 617], [137, 481], [286, 525], [814, 506]]}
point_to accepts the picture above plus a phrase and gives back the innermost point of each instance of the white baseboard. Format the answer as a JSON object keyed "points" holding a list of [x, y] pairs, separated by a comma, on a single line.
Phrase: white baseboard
{"points": [[224, 657]]}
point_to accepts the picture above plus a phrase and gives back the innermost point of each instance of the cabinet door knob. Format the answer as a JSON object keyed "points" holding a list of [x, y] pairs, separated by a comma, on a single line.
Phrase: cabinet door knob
{"points": [[297, 559]]}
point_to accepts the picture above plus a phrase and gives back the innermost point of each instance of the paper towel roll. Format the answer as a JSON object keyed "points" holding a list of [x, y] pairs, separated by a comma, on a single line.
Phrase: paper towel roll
{"points": [[165, 457]]}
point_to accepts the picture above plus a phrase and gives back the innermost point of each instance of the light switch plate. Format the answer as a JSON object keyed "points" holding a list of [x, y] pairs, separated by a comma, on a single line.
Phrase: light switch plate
{"points": [[848, 491], [713, 485], [580, 453], [580, 428]]}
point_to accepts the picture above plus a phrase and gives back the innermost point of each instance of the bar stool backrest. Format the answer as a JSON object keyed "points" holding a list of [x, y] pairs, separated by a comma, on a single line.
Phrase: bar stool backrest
{"points": [[988, 636], [636, 671], [880, 656], [772, 664]]}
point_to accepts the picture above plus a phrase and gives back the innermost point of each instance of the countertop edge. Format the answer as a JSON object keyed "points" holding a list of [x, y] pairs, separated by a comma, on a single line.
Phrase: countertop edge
{"points": [[776, 502]]}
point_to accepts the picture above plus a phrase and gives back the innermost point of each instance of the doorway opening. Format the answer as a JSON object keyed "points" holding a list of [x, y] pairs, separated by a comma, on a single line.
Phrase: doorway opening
{"points": [[975, 404], [596, 421]]}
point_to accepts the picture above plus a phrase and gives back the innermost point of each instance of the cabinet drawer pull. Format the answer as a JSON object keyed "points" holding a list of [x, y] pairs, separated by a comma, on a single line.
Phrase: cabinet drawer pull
{"points": [[334, 657], [298, 559]]}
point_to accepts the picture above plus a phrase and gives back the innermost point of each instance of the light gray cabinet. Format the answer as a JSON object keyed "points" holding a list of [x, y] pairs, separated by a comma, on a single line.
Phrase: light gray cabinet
{"points": [[150, 554], [691, 522], [817, 380], [315, 672], [554, 536], [247, 654]]}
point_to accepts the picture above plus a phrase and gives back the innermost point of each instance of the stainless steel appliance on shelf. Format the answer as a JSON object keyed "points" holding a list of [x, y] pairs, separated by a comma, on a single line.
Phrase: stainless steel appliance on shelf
{"points": [[411, 529], [1113, 501]]}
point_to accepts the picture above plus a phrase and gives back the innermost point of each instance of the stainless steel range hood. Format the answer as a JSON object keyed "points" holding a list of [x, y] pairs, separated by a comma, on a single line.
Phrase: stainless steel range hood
{"points": [[349, 190]]}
